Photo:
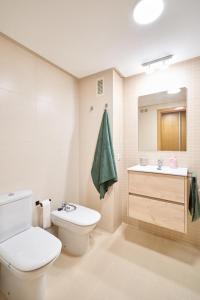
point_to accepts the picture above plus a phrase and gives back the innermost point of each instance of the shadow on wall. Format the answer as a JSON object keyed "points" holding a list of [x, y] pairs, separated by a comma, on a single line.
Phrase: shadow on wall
{"points": [[70, 186], [105, 206], [70, 191], [161, 256]]}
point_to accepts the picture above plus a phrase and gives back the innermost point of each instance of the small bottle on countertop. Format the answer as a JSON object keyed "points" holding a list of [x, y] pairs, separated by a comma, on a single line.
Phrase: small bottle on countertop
{"points": [[173, 162], [143, 161]]}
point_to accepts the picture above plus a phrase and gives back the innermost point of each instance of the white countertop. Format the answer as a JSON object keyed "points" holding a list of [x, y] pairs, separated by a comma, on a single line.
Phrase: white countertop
{"points": [[164, 170]]}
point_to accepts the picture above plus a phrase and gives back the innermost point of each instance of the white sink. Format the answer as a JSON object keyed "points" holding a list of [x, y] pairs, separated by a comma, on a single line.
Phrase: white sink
{"points": [[164, 170]]}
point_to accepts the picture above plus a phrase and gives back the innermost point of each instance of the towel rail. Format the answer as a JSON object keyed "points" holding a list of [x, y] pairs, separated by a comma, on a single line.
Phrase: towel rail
{"points": [[191, 174]]}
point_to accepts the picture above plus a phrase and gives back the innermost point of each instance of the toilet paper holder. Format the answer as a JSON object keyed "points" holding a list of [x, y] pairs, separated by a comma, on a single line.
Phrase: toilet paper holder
{"points": [[39, 203]]}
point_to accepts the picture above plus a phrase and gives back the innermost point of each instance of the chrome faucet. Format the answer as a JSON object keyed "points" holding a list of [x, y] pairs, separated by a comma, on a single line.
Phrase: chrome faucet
{"points": [[160, 164], [68, 206]]}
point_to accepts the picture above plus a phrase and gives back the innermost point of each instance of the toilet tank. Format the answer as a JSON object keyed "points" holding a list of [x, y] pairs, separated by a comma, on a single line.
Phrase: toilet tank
{"points": [[15, 213]]}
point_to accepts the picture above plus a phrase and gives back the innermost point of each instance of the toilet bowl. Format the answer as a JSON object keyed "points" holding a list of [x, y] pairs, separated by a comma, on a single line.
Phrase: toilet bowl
{"points": [[26, 252], [74, 227]]}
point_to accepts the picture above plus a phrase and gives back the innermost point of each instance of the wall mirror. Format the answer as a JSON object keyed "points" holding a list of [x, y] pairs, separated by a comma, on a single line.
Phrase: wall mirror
{"points": [[162, 121]]}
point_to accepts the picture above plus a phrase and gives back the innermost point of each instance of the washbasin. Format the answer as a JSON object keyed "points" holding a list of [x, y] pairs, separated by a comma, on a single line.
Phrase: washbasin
{"points": [[164, 170]]}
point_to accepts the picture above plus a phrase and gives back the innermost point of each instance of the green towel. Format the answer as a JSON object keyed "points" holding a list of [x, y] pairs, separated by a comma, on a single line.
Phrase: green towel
{"points": [[103, 171], [194, 205]]}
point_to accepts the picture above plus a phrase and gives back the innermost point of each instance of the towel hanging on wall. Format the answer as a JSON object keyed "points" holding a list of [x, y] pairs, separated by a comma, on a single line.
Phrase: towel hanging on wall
{"points": [[103, 171], [194, 204]]}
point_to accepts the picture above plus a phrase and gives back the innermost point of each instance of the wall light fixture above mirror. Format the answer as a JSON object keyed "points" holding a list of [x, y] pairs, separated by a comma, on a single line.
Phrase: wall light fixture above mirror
{"points": [[162, 121]]}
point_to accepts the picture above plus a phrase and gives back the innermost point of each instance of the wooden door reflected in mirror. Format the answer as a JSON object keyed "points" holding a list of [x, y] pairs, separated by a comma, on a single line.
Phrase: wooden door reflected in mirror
{"points": [[162, 121], [172, 129]]}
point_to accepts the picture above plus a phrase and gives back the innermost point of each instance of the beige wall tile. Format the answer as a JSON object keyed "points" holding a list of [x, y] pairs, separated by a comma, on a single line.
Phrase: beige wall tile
{"points": [[39, 127], [40, 109], [185, 74], [110, 206], [89, 128]]}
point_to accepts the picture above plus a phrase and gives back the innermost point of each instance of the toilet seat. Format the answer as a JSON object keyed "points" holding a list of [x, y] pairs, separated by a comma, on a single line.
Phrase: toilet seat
{"points": [[30, 250], [82, 216]]}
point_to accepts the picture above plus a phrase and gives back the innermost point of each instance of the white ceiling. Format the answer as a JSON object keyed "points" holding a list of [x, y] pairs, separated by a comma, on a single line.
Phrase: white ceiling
{"points": [[163, 97], [87, 36]]}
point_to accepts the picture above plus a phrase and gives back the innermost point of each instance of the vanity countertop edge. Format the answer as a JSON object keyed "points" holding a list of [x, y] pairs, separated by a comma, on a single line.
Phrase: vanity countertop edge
{"points": [[165, 170]]}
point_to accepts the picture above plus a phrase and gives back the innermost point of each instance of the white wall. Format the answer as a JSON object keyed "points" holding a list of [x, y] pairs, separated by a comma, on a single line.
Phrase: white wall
{"points": [[39, 126]]}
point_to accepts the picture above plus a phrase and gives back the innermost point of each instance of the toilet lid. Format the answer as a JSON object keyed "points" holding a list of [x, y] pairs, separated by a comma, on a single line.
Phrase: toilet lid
{"points": [[82, 216], [31, 249]]}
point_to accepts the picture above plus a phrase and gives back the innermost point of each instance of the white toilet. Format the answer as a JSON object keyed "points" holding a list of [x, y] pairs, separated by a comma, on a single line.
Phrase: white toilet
{"points": [[75, 223], [25, 251]]}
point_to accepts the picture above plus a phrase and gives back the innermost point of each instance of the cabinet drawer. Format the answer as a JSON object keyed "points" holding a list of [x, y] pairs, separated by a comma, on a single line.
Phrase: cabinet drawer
{"points": [[160, 186], [157, 212]]}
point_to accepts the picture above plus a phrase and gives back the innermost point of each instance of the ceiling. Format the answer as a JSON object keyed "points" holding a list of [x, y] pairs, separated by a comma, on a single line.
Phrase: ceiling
{"points": [[162, 97], [84, 37]]}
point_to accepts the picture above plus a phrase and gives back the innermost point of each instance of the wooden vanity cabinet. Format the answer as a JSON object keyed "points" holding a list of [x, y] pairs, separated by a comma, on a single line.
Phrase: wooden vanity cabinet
{"points": [[158, 199]]}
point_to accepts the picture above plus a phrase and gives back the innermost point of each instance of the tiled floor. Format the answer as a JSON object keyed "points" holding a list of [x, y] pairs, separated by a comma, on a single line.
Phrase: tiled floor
{"points": [[127, 265]]}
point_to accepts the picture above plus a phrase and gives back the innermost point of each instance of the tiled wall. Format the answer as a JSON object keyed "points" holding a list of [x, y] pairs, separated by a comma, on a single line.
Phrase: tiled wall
{"points": [[185, 74], [90, 121], [39, 126], [39, 131], [118, 110]]}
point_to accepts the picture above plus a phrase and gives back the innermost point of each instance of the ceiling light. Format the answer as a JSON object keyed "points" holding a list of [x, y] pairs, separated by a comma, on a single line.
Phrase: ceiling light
{"points": [[157, 64], [174, 91], [147, 11]]}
